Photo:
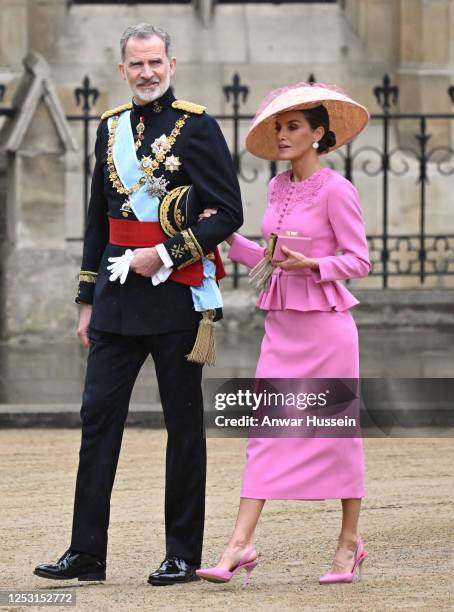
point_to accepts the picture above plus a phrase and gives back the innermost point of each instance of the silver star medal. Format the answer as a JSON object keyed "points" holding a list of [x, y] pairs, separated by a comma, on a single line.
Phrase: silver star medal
{"points": [[172, 163], [159, 144], [157, 186]]}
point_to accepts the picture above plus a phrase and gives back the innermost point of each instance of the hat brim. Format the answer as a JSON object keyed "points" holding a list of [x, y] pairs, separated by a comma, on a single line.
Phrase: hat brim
{"points": [[347, 118]]}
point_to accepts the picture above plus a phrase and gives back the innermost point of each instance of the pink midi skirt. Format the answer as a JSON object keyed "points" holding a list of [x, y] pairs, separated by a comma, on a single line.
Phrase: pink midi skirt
{"points": [[296, 345]]}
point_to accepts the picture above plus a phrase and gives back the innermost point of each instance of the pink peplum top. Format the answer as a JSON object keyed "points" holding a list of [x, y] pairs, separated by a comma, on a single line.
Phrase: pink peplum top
{"points": [[324, 207]]}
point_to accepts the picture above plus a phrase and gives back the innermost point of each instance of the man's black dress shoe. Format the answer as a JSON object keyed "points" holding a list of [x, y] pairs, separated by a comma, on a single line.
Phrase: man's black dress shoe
{"points": [[172, 571], [73, 565]]}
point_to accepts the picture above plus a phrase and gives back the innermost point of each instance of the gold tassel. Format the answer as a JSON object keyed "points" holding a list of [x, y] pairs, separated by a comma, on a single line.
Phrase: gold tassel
{"points": [[260, 275], [204, 349]]}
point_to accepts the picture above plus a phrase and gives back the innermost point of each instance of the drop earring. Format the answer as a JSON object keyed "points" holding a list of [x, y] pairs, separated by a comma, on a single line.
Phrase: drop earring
{"points": [[315, 145]]}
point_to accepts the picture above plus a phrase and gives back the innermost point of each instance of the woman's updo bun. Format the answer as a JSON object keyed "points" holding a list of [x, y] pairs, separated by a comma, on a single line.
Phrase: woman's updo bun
{"points": [[316, 117], [329, 138]]}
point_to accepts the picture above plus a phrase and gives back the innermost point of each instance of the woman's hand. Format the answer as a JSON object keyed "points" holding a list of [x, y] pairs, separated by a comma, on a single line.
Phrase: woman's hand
{"points": [[295, 261], [207, 212]]}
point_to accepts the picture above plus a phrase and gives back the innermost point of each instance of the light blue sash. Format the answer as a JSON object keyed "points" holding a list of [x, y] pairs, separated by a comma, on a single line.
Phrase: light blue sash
{"points": [[146, 208], [207, 296]]}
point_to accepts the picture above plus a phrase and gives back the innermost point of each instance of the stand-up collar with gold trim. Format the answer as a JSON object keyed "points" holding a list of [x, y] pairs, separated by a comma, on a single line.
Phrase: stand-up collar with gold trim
{"points": [[156, 107]]}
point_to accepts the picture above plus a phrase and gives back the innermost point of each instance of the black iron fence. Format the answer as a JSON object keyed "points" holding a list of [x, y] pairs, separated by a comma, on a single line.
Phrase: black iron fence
{"points": [[420, 254]]}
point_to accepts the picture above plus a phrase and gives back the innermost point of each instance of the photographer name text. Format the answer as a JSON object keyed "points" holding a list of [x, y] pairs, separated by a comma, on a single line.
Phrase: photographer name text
{"points": [[267, 421]]}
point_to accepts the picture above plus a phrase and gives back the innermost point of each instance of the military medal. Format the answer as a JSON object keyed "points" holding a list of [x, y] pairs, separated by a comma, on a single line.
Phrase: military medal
{"points": [[126, 207], [160, 145], [172, 163], [157, 186], [140, 128], [147, 164]]}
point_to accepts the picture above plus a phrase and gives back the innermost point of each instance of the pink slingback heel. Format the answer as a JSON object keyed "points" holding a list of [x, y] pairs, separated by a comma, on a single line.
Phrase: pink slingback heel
{"points": [[218, 574], [360, 555]]}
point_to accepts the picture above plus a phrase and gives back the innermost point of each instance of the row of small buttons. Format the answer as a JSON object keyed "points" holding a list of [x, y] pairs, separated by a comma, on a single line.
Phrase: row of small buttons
{"points": [[284, 209]]}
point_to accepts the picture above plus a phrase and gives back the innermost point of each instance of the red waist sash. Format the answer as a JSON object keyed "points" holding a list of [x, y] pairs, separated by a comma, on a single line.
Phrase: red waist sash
{"points": [[148, 234]]}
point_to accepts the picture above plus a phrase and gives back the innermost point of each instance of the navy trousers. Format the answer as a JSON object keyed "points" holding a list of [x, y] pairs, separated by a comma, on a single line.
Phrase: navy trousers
{"points": [[114, 361]]}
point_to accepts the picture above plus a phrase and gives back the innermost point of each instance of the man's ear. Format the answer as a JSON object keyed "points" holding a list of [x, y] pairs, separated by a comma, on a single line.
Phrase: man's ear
{"points": [[173, 65], [121, 68]]}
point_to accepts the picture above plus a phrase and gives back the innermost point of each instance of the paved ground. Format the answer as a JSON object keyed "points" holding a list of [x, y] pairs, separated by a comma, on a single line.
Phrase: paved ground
{"points": [[407, 524]]}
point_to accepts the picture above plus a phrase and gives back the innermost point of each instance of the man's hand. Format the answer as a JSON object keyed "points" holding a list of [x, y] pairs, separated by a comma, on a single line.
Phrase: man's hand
{"points": [[84, 322], [146, 262]]}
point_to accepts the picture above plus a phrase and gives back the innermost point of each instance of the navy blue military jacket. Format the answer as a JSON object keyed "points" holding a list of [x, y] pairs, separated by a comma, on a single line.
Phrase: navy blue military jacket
{"points": [[138, 307]]}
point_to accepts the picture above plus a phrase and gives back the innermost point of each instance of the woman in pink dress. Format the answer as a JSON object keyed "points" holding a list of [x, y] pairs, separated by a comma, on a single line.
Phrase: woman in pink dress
{"points": [[309, 330]]}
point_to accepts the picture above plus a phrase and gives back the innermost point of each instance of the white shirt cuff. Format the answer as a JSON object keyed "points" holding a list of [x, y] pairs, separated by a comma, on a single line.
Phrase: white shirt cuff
{"points": [[162, 252], [161, 275]]}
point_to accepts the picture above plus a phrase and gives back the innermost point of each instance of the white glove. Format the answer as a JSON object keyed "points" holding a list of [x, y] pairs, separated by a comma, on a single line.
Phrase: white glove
{"points": [[119, 267]]}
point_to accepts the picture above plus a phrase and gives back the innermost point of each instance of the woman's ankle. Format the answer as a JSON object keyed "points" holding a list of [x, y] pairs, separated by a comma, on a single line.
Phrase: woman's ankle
{"points": [[240, 543], [348, 539]]}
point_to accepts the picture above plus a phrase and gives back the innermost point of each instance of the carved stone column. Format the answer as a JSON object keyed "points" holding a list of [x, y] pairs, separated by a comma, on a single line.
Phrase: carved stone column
{"points": [[425, 71], [38, 275], [413, 40], [205, 10], [376, 23], [13, 33], [47, 20]]}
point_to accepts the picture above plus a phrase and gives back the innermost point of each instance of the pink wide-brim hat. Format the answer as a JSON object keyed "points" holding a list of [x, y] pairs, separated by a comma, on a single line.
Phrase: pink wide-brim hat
{"points": [[347, 118]]}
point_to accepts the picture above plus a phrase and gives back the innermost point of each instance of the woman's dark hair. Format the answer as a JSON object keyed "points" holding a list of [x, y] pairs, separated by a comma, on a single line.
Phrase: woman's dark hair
{"points": [[318, 116]]}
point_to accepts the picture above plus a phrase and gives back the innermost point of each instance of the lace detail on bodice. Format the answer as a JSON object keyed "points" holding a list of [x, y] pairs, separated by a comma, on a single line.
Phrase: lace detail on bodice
{"points": [[286, 194]]}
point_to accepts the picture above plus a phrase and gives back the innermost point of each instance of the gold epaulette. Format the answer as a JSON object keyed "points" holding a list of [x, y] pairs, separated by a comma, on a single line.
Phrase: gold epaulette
{"points": [[116, 111], [189, 107]]}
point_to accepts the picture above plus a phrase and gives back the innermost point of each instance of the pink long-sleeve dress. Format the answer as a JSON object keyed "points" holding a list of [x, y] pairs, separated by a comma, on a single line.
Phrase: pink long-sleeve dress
{"points": [[309, 332]]}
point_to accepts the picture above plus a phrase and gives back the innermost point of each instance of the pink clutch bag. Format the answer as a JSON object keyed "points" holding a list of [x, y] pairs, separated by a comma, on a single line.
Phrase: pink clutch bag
{"points": [[260, 275], [301, 244]]}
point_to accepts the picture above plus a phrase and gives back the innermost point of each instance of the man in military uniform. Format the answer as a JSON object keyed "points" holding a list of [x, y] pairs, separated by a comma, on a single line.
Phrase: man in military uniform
{"points": [[144, 150]]}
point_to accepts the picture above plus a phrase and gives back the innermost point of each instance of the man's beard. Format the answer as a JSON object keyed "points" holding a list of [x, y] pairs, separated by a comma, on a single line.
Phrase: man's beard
{"points": [[152, 94]]}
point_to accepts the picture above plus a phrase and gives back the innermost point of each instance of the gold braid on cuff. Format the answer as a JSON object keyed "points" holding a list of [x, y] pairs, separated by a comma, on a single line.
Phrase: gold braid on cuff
{"points": [[87, 277], [193, 245], [197, 245], [190, 245]]}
